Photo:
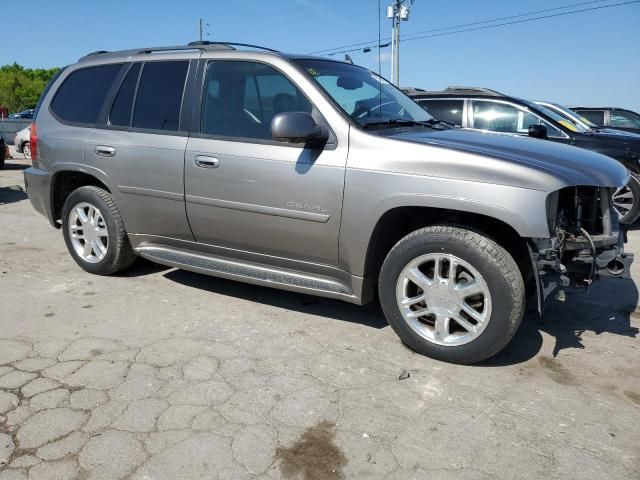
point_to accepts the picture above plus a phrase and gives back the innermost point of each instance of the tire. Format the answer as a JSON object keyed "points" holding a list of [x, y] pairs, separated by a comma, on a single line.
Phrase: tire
{"points": [[112, 251], [26, 150], [626, 201], [481, 264]]}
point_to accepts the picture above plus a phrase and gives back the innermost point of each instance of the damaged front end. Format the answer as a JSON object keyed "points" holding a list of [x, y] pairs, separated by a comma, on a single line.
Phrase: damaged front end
{"points": [[587, 242]]}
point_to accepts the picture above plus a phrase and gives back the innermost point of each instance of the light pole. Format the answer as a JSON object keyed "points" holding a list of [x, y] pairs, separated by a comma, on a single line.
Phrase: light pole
{"points": [[398, 12]]}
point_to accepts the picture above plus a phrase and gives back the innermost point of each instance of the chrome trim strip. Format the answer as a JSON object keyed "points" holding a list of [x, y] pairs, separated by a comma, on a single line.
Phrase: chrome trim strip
{"points": [[148, 192], [250, 207]]}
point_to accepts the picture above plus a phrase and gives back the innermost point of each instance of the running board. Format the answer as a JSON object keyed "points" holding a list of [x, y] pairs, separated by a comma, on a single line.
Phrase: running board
{"points": [[247, 272]]}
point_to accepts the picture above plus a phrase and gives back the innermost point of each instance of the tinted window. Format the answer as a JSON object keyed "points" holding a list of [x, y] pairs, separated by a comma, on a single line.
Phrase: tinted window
{"points": [[595, 116], [160, 95], [445, 110], [241, 98], [123, 104], [624, 119], [81, 96], [504, 118]]}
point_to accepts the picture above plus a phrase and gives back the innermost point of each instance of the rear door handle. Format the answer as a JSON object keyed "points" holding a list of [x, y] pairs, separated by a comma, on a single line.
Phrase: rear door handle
{"points": [[104, 151], [207, 162]]}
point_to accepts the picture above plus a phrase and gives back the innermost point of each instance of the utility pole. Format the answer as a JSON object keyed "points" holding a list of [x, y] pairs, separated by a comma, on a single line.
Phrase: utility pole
{"points": [[398, 12], [200, 29]]}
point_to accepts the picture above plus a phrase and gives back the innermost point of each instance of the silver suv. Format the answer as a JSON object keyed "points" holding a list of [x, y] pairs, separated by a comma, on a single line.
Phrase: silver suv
{"points": [[318, 176]]}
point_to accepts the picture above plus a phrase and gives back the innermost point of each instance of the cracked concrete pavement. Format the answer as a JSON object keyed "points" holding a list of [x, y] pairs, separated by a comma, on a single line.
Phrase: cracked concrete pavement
{"points": [[165, 374]]}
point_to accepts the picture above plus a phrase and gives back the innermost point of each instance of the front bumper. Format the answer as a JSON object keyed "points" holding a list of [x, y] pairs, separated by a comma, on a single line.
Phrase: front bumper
{"points": [[38, 186]]}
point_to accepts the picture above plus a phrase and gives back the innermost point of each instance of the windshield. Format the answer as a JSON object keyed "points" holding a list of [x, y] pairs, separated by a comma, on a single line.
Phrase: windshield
{"points": [[565, 120], [364, 96]]}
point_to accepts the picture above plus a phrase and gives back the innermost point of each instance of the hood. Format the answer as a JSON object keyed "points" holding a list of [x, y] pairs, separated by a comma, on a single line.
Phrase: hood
{"points": [[574, 165]]}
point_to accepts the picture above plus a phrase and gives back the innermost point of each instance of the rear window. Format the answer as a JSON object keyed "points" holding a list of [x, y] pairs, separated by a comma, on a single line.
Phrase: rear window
{"points": [[81, 96], [595, 116], [445, 110], [160, 95]]}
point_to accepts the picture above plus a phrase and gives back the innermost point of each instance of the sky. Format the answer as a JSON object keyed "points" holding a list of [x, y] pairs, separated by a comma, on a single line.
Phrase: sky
{"points": [[589, 58]]}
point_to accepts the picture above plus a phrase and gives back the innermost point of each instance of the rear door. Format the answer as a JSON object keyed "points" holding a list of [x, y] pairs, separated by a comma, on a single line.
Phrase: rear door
{"points": [[247, 193], [140, 147]]}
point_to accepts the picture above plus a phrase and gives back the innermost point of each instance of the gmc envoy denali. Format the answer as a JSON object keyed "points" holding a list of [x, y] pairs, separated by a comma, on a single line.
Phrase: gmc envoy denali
{"points": [[318, 176]]}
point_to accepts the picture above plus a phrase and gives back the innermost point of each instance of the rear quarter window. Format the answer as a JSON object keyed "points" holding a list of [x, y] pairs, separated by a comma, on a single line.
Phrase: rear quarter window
{"points": [[82, 94]]}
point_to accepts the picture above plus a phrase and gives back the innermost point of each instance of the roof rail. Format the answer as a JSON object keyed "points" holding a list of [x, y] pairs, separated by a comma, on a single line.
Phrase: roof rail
{"points": [[486, 91], [207, 43], [198, 45]]}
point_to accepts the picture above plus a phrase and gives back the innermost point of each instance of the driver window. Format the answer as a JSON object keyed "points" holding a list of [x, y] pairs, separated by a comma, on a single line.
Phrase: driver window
{"points": [[503, 118], [495, 117], [241, 98]]}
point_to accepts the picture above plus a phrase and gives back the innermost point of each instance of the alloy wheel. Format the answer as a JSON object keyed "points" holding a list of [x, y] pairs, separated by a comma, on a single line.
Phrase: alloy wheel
{"points": [[444, 299], [623, 200], [88, 233]]}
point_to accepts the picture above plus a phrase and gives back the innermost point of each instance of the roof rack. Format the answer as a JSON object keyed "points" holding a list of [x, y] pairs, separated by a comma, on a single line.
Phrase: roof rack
{"points": [[198, 45]]}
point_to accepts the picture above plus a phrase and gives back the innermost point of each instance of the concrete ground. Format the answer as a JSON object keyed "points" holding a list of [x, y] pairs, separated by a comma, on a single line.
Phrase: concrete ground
{"points": [[166, 374]]}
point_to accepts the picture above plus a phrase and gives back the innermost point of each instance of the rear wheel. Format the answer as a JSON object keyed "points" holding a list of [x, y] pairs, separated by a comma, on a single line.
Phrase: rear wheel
{"points": [[26, 150], [94, 232], [452, 294], [626, 201]]}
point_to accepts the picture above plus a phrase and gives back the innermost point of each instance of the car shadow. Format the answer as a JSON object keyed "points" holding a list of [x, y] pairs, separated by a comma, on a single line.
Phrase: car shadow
{"points": [[606, 309], [369, 315], [12, 194]]}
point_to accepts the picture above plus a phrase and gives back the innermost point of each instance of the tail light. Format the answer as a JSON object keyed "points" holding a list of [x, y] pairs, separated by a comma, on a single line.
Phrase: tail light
{"points": [[33, 143]]}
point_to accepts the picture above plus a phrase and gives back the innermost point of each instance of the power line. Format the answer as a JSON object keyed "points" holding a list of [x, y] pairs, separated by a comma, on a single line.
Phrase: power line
{"points": [[330, 51]]}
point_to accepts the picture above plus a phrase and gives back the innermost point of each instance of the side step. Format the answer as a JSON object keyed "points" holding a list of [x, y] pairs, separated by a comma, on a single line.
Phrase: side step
{"points": [[246, 272]]}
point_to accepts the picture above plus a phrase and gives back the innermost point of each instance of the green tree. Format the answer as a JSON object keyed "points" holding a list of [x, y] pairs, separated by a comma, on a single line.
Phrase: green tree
{"points": [[20, 87]]}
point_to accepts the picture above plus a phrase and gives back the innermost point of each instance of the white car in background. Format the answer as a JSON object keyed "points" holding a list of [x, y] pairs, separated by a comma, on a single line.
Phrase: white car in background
{"points": [[21, 142]]}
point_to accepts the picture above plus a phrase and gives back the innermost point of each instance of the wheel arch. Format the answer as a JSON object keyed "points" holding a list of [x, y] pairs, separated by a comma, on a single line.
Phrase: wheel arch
{"points": [[66, 181], [398, 222]]}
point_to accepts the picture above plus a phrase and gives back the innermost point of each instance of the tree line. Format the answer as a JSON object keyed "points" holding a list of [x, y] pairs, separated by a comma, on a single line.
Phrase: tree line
{"points": [[20, 87]]}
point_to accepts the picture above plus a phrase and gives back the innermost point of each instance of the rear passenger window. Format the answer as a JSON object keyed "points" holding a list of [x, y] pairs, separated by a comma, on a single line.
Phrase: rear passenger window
{"points": [[595, 116], [123, 104], [445, 110], [160, 95], [81, 96]]}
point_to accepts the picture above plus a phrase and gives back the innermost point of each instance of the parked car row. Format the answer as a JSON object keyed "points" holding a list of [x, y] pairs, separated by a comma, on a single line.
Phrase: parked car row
{"points": [[490, 111], [318, 176], [618, 118]]}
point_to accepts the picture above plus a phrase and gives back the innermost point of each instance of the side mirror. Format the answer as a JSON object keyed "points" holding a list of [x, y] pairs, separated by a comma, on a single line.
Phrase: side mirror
{"points": [[538, 131], [297, 127]]}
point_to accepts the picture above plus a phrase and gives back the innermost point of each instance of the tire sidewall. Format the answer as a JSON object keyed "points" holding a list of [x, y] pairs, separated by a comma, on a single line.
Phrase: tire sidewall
{"points": [[88, 195], [501, 325]]}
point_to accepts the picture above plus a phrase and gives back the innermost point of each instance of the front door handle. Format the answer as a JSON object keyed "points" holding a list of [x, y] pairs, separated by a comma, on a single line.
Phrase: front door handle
{"points": [[104, 151], [207, 162]]}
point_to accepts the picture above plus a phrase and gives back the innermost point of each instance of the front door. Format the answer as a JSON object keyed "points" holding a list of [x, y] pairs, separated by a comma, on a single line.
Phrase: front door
{"points": [[247, 193]]}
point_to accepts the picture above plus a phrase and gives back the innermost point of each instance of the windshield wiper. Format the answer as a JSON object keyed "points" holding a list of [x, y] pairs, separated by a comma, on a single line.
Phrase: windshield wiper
{"points": [[398, 122]]}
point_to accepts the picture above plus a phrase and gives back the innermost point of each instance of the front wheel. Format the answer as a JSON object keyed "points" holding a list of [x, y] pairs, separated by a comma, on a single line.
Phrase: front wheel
{"points": [[626, 201], [452, 294]]}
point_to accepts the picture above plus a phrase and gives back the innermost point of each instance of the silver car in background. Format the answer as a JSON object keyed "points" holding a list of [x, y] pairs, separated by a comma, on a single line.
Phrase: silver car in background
{"points": [[318, 176], [21, 142]]}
